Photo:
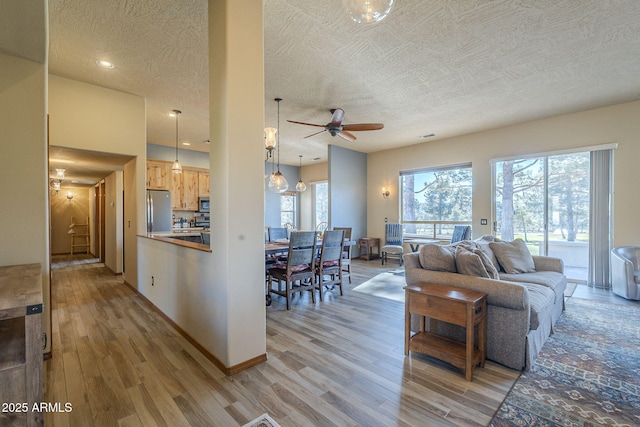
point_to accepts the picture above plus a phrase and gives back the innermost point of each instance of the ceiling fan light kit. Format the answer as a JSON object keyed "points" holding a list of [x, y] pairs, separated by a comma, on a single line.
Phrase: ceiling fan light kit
{"points": [[336, 128], [367, 11]]}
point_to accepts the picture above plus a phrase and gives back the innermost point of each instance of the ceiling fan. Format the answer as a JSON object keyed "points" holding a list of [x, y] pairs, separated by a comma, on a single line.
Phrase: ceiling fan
{"points": [[336, 128]]}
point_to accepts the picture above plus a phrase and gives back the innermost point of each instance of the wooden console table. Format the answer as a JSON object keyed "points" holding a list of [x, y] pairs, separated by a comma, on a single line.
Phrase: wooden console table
{"points": [[460, 307], [21, 380], [368, 243]]}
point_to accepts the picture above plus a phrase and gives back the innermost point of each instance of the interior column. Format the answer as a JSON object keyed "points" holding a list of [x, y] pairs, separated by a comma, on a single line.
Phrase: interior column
{"points": [[236, 87]]}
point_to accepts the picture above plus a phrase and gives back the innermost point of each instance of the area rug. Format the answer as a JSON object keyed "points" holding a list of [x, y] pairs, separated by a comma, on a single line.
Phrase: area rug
{"points": [[587, 374], [263, 420], [388, 284]]}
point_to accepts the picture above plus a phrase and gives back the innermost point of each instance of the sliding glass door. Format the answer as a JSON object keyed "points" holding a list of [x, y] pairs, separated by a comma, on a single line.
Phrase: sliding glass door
{"points": [[545, 201]]}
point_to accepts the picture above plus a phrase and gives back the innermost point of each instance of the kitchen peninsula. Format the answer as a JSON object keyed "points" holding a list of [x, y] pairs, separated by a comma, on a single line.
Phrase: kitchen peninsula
{"points": [[176, 239]]}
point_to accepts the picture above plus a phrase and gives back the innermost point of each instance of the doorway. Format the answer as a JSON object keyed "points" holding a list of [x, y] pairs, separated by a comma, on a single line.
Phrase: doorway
{"points": [[545, 201]]}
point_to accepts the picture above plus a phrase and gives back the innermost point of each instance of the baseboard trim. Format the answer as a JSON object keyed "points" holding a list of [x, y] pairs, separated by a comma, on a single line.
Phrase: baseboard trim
{"points": [[228, 371]]}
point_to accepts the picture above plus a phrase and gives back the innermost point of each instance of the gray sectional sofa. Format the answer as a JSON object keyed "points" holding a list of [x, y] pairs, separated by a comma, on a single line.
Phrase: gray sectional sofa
{"points": [[525, 293]]}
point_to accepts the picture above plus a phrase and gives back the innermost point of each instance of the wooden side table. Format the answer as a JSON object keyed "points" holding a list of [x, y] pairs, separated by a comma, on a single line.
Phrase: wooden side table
{"points": [[368, 243], [460, 307]]}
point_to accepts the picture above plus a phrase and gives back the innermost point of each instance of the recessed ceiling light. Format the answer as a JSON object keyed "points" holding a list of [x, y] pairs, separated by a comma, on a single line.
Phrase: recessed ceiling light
{"points": [[186, 143], [105, 64]]}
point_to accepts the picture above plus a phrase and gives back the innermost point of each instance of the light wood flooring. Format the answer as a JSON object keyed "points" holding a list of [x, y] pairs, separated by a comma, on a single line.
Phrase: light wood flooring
{"points": [[335, 363]]}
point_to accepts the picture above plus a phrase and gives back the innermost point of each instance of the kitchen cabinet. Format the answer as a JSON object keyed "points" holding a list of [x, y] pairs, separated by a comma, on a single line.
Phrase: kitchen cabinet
{"points": [[185, 187], [21, 378], [158, 175], [184, 190], [203, 184]]}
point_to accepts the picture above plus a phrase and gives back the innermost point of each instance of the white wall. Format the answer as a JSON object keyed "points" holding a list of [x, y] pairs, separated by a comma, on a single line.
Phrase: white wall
{"points": [[23, 170], [618, 123], [89, 117], [113, 229]]}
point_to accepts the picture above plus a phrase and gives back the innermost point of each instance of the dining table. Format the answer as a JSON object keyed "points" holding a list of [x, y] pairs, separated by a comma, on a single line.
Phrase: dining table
{"points": [[282, 245]]}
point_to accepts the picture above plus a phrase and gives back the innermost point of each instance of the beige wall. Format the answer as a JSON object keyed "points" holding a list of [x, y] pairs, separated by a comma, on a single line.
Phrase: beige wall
{"points": [[113, 222], [62, 209], [615, 124], [93, 118], [24, 210]]}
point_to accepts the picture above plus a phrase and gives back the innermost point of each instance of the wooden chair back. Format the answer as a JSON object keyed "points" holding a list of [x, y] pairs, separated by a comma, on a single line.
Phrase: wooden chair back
{"points": [[302, 246], [277, 233], [332, 247]]}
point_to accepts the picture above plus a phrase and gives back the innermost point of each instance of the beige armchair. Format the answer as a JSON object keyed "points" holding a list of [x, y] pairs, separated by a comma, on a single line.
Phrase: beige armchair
{"points": [[625, 271]]}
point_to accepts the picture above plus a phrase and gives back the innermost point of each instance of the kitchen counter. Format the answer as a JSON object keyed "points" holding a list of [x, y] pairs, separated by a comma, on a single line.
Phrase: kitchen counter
{"points": [[178, 232], [181, 237]]}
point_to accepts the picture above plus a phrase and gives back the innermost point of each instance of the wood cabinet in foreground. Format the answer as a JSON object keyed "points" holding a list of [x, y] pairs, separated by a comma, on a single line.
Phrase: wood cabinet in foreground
{"points": [[21, 381]]}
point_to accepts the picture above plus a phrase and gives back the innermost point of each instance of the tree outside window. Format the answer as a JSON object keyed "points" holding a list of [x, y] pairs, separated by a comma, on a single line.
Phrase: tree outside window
{"points": [[434, 200]]}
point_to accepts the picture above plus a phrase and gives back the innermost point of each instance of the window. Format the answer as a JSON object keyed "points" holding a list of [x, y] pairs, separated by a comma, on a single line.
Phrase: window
{"points": [[554, 202], [288, 202], [320, 203], [433, 201]]}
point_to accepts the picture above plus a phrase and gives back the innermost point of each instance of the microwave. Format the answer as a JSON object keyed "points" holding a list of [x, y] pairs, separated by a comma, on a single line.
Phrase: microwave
{"points": [[203, 204]]}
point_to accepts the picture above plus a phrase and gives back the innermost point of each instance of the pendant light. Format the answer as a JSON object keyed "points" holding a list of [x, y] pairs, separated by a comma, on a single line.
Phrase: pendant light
{"points": [[176, 167], [300, 186], [367, 11], [278, 183]]}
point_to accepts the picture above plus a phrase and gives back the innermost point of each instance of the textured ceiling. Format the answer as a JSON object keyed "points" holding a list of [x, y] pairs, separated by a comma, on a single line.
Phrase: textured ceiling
{"points": [[447, 67], [83, 167]]}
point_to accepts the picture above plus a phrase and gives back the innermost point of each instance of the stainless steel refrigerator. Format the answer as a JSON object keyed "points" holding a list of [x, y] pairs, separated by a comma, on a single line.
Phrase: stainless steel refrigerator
{"points": [[158, 211]]}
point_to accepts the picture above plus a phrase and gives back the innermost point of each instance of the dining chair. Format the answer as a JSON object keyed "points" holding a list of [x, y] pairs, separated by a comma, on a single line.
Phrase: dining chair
{"points": [[277, 233], [329, 263], [297, 271], [393, 242], [320, 228], [346, 252]]}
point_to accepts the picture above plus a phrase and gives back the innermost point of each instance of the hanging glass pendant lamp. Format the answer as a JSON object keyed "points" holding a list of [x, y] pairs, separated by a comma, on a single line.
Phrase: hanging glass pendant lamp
{"points": [[300, 186], [278, 183], [176, 167], [367, 11]]}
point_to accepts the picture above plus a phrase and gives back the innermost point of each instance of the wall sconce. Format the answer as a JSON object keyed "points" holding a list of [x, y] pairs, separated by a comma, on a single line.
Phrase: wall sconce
{"points": [[385, 193], [69, 195], [55, 185]]}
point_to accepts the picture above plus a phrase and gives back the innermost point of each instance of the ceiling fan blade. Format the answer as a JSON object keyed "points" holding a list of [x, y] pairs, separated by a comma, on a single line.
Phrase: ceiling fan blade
{"points": [[363, 126], [346, 135], [303, 123], [337, 116], [315, 133]]}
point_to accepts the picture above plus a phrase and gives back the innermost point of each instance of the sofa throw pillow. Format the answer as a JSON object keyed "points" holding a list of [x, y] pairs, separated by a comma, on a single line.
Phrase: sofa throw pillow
{"points": [[491, 268], [514, 257], [482, 243], [470, 263], [437, 258]]}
